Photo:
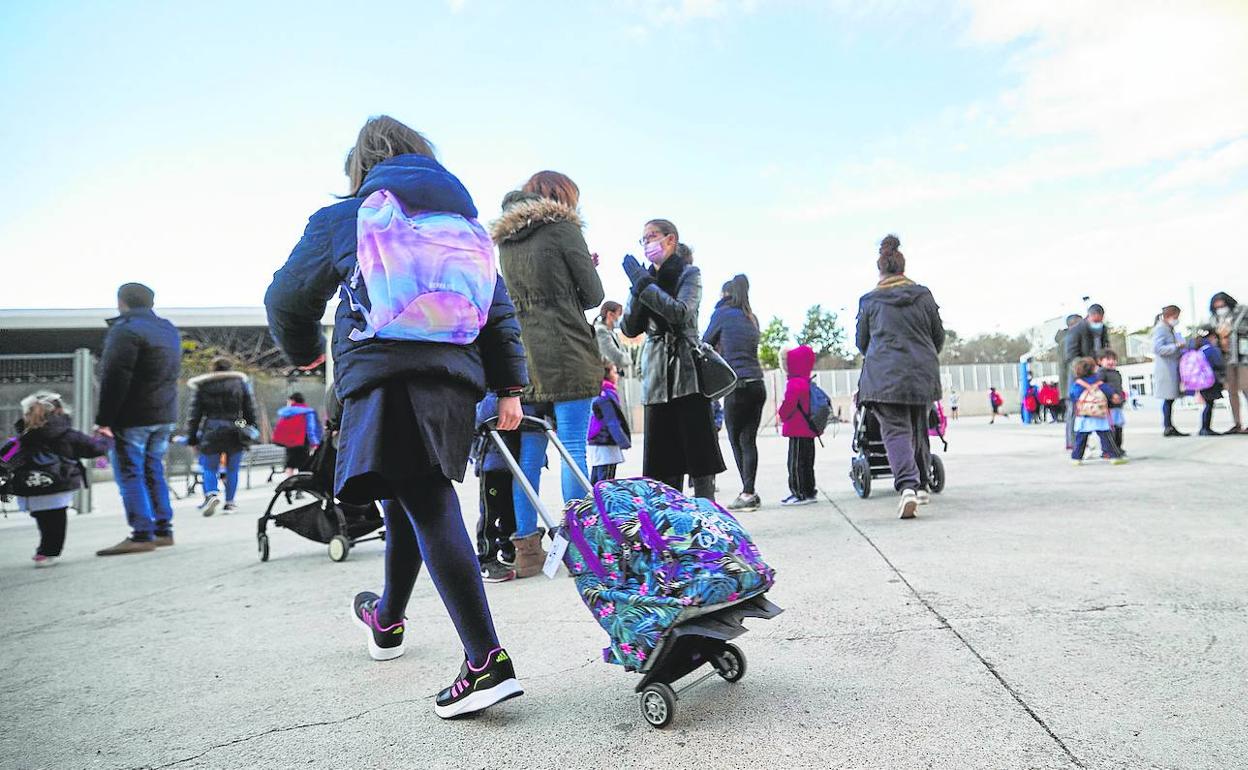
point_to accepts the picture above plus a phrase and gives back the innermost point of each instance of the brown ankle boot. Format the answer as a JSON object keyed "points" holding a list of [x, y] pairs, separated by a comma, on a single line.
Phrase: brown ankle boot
{"points": [[529, 554]]}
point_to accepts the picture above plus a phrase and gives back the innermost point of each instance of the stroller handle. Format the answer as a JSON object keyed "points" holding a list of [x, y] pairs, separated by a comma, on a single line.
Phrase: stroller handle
{"points": [[490, 427]]}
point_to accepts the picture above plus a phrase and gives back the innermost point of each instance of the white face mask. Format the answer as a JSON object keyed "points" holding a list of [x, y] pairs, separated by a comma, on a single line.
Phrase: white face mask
{"points": [[1173, 322], [1222, 312]]}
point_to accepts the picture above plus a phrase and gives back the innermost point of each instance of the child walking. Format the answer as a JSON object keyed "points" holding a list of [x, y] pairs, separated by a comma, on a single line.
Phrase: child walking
{"points": [[1107, 360], [609, 435], [298, 429], [795, 426], [496, 522], [410, 368], [45, 467], [1092, 397]]}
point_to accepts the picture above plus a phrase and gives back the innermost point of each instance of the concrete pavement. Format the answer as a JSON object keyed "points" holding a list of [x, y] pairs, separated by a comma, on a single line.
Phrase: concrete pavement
{"points": [[1037, 615]]}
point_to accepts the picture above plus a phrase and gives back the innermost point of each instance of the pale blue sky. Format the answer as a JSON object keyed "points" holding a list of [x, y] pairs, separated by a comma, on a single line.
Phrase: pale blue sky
{"points": [[1026, 155]]}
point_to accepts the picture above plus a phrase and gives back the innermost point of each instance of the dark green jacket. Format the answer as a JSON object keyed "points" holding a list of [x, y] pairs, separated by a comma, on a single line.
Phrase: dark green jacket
{"points": [[553, 281]]}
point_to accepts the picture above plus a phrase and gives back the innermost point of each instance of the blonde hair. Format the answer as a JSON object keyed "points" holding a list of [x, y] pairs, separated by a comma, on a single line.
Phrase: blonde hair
{"points": [[38, 407]]}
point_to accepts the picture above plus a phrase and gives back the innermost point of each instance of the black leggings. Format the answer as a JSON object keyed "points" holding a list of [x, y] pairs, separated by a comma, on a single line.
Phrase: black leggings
{"points": [[743, 413], [426, 521], [802, 468], [1167, 413], [51, 531], [601, 473]]}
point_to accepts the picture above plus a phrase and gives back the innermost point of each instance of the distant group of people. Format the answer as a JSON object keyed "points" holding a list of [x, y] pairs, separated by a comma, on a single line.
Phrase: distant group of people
{"points": [[1208, 363]]}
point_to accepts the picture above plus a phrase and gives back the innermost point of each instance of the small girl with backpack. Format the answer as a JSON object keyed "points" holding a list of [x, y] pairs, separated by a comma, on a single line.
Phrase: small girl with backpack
{"points": [[298, 429], [44, 468], [1092, 397], [1205, 375], [609, 435], [426, 327], [795, 411]]}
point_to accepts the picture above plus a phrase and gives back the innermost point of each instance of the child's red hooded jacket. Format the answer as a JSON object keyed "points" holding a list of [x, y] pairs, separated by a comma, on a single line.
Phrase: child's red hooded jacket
{"points": [[796, 405]]}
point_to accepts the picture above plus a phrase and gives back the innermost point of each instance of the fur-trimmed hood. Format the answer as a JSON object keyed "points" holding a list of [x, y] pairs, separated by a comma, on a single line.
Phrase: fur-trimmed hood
{"points": [[196, 382], [523, 213]]}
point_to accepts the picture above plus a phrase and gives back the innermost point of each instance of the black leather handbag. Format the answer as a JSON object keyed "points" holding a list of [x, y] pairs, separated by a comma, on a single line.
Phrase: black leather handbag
{"points": [[716, 378]]}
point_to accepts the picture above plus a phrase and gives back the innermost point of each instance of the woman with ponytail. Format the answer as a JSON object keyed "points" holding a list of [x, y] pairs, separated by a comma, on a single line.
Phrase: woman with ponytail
{"points": [[680, 436]]}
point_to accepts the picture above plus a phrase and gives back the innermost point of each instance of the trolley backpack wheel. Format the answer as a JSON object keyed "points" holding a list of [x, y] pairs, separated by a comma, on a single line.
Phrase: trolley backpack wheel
{"points": [[731, 663], [339, 547], [262, 542], [658, 704], [937, 474], [860, 475]]}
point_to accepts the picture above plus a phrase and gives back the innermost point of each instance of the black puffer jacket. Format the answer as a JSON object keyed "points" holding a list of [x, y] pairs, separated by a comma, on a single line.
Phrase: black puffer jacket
{"points": [[218, 400], [665, 306], [139, 371], [900, 336]]}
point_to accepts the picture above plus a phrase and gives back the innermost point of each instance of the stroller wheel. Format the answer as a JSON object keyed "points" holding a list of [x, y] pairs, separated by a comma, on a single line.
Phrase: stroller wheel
{"points": [[262, 541], [658, 705], [339, 547], [860, 475], [731, 663], [937, 475]]}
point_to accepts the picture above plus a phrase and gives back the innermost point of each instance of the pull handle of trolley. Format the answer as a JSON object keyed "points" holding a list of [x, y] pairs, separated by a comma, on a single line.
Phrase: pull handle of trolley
{"points": [[535, 424]]}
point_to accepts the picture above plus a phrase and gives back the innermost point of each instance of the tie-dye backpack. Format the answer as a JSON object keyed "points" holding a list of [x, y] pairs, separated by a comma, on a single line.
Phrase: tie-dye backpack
{"points": [[644, 556], [429, 275]]}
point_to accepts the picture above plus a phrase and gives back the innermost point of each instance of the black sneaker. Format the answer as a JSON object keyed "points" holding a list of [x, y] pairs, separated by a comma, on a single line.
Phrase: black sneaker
{"points": [[210, 503], [476, 689], [383, 643], [496, 572]]}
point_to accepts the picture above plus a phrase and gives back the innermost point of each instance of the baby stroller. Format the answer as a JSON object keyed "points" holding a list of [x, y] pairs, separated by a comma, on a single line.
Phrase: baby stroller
{"points": [[871, 461], [322, 518], [671, 582]]}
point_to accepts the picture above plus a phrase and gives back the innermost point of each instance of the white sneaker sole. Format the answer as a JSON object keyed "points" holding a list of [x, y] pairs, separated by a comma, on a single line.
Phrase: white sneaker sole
{"points": [[909, 508], [374, 651], [210, 507], [480, 701]]}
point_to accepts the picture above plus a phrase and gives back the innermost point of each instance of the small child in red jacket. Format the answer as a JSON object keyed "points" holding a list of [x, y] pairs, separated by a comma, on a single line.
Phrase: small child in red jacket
{"points": [[796, 427]]}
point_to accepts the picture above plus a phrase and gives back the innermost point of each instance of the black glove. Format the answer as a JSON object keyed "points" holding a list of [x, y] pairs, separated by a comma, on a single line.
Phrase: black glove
{"points": [[633, 269]]}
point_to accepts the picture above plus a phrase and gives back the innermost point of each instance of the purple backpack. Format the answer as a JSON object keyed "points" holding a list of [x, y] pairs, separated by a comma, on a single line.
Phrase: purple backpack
{"points": [[1195, 372], [430, 275]]}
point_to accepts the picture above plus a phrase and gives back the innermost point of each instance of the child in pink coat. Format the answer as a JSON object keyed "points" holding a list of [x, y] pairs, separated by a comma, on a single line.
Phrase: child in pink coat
{"points": [[796, 426]]}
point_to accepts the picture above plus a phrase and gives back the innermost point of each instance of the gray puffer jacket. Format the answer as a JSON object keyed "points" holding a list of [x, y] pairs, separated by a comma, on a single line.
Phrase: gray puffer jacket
{"points": [[665, 307]]}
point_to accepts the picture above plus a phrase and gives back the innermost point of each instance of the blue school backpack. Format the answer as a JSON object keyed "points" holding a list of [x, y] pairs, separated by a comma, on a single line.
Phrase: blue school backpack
{"points": [[820, 409], [645, 557]]}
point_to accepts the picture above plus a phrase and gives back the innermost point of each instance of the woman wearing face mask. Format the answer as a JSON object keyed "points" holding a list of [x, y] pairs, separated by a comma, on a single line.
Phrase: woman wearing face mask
{"points": [[680, 435], [1225, 315], [1168, 347]]}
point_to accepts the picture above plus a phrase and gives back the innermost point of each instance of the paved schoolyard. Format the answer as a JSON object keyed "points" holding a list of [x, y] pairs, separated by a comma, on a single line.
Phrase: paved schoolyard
{"points": [[1036, 616]]}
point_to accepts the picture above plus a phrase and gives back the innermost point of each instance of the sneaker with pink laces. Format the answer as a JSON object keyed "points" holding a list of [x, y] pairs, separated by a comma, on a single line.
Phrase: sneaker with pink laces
{"points": [[477, 688]]}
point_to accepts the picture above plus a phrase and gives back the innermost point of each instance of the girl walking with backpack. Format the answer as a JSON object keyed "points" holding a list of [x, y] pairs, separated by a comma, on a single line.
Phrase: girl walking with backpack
{"points": [[298, 429], [680, 436], [733, 331], [46, 470], [409, 373]]}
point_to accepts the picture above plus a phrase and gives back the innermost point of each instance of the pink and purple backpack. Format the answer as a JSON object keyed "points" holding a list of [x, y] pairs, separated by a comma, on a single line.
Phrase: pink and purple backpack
{"points": [[429, 275], [1195, 371]]}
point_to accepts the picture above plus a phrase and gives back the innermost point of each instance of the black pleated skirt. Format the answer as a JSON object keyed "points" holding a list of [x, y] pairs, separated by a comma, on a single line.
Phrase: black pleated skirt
{"points": [[681, 439], [403, 429]]}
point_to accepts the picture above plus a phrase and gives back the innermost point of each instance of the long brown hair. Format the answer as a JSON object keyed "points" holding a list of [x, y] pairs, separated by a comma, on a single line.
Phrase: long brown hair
{"points": [[382, 138], [555, 186], [737, 294]]}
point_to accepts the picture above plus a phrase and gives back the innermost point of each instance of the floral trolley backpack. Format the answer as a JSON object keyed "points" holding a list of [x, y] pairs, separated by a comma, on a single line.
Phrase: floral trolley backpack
{"points": [[645, 557], [429, 275]]}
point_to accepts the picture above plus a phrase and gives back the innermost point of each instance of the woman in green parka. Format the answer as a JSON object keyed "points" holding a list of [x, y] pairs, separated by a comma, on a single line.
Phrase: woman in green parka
{"points": [[553, 280]]}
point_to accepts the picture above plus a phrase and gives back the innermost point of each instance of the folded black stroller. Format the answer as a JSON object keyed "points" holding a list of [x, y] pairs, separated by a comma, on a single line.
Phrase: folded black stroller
{"points": [[322, 518]]}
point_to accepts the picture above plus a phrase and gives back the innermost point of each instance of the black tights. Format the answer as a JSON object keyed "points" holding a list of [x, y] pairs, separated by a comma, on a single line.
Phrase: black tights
{"points": [[426, 521], [743, 413], [1206, 416], [51, 531], [703, 486], [1167, 413]]}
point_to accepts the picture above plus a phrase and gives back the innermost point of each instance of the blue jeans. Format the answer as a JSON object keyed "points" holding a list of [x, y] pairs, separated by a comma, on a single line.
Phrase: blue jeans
{"points": [[572, 427], [210, 463], [139, 466]]}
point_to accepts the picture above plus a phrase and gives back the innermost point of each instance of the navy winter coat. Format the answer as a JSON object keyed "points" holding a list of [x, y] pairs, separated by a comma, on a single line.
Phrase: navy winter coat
{"points": [[900, 336], [139, 371], [324, 260], [735, 336]]}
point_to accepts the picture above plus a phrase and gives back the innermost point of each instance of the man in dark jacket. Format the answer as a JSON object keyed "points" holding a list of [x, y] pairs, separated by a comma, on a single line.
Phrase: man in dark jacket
{"points": [[900, 335], [138, 406], [1083, 339]]}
